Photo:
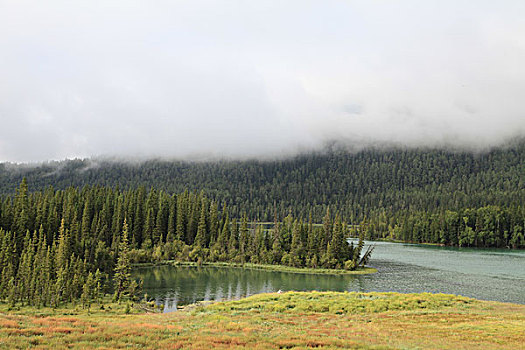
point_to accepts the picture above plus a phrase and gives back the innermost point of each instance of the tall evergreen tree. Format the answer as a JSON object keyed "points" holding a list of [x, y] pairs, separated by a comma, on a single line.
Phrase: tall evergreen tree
{"points": [[122, 276]]}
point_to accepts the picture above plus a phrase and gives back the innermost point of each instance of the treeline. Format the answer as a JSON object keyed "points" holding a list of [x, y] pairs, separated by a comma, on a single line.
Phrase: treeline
{"points": [[488, 226], [358, 185], [77, 244]]}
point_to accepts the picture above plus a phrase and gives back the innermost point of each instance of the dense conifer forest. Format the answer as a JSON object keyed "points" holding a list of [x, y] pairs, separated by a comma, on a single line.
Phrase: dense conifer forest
{"points": [[416, 195], [77, 244]]}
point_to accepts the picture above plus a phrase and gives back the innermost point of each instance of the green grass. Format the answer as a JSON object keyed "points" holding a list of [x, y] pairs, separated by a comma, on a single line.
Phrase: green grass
{"points": [[293, 320], [341, 302], [107, 307], [279, 268]]}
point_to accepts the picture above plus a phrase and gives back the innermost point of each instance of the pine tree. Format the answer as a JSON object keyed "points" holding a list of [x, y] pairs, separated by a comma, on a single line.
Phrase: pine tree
{"points": [[180, 231], [220, 247], [138, 218], [295, 247], [63, 250], [24, 270], [87, 217], [233, 242], [277, 245], [312, 244], [243, 238], [122, 274], [21, 214], [327, 230], [356, 254], [7, 260], [213, 231], [148, 229], [161, 221], [200, 238], [97, 294], [88, 291], [336, 247], [258, 251], [172, 216]]}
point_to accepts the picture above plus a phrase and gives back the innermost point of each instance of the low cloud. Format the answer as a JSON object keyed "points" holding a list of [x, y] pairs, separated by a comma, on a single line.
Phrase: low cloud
{"points": [[196, 79]]}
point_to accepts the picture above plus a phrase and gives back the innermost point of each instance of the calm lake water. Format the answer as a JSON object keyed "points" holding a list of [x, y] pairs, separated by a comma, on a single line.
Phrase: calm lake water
{"points": [[489, 274]]}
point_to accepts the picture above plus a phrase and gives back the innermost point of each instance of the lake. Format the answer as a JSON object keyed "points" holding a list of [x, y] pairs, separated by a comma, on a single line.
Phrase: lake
{"points": [[488, 274]]}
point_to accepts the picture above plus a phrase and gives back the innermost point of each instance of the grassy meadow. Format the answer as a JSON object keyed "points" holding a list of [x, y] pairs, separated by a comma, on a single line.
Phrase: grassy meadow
{"points": [[272, 321]]}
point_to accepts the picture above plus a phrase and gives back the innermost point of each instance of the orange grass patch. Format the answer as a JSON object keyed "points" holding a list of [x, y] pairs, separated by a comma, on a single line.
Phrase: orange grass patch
{"points": [[148, 326], [55, 321], [174, 328], [8, 324], [27, 332]]}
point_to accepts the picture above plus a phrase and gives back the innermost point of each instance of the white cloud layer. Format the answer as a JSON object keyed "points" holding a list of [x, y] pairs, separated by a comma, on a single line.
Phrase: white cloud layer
{"points": [[250, 78]]}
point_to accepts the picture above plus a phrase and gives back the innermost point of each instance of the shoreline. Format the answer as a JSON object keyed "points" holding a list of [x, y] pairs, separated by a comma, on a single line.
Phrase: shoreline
{"points": [[263, 267]]}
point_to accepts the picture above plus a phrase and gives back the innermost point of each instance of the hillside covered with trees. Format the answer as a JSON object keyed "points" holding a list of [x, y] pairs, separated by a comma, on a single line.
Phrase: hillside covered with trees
{"points": [[417, 195]]}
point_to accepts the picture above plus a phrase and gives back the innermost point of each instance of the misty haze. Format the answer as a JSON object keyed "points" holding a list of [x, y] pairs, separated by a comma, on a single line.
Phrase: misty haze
{"points": [[235, 79]]}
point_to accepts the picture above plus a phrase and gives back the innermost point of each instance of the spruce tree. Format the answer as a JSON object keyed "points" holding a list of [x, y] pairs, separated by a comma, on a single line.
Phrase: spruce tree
{"points": [[200, 238], [277, 244], [122, 274], [296, 246], [213, 227], [172, 216], [88, 291], [327, 230], [180, 229], [243, 238], [336, 247], [233, 242]]}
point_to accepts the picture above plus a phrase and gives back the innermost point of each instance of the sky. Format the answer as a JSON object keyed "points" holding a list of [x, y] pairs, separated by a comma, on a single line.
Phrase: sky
{"points": [[237, 78]]}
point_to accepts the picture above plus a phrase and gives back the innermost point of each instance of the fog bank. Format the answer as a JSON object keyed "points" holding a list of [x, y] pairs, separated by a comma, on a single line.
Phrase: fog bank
{"points": [[237, 79]]}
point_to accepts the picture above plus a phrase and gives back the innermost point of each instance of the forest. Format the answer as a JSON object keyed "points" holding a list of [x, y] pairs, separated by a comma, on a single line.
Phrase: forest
{"points": [[449, 197], [61, 246]]}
